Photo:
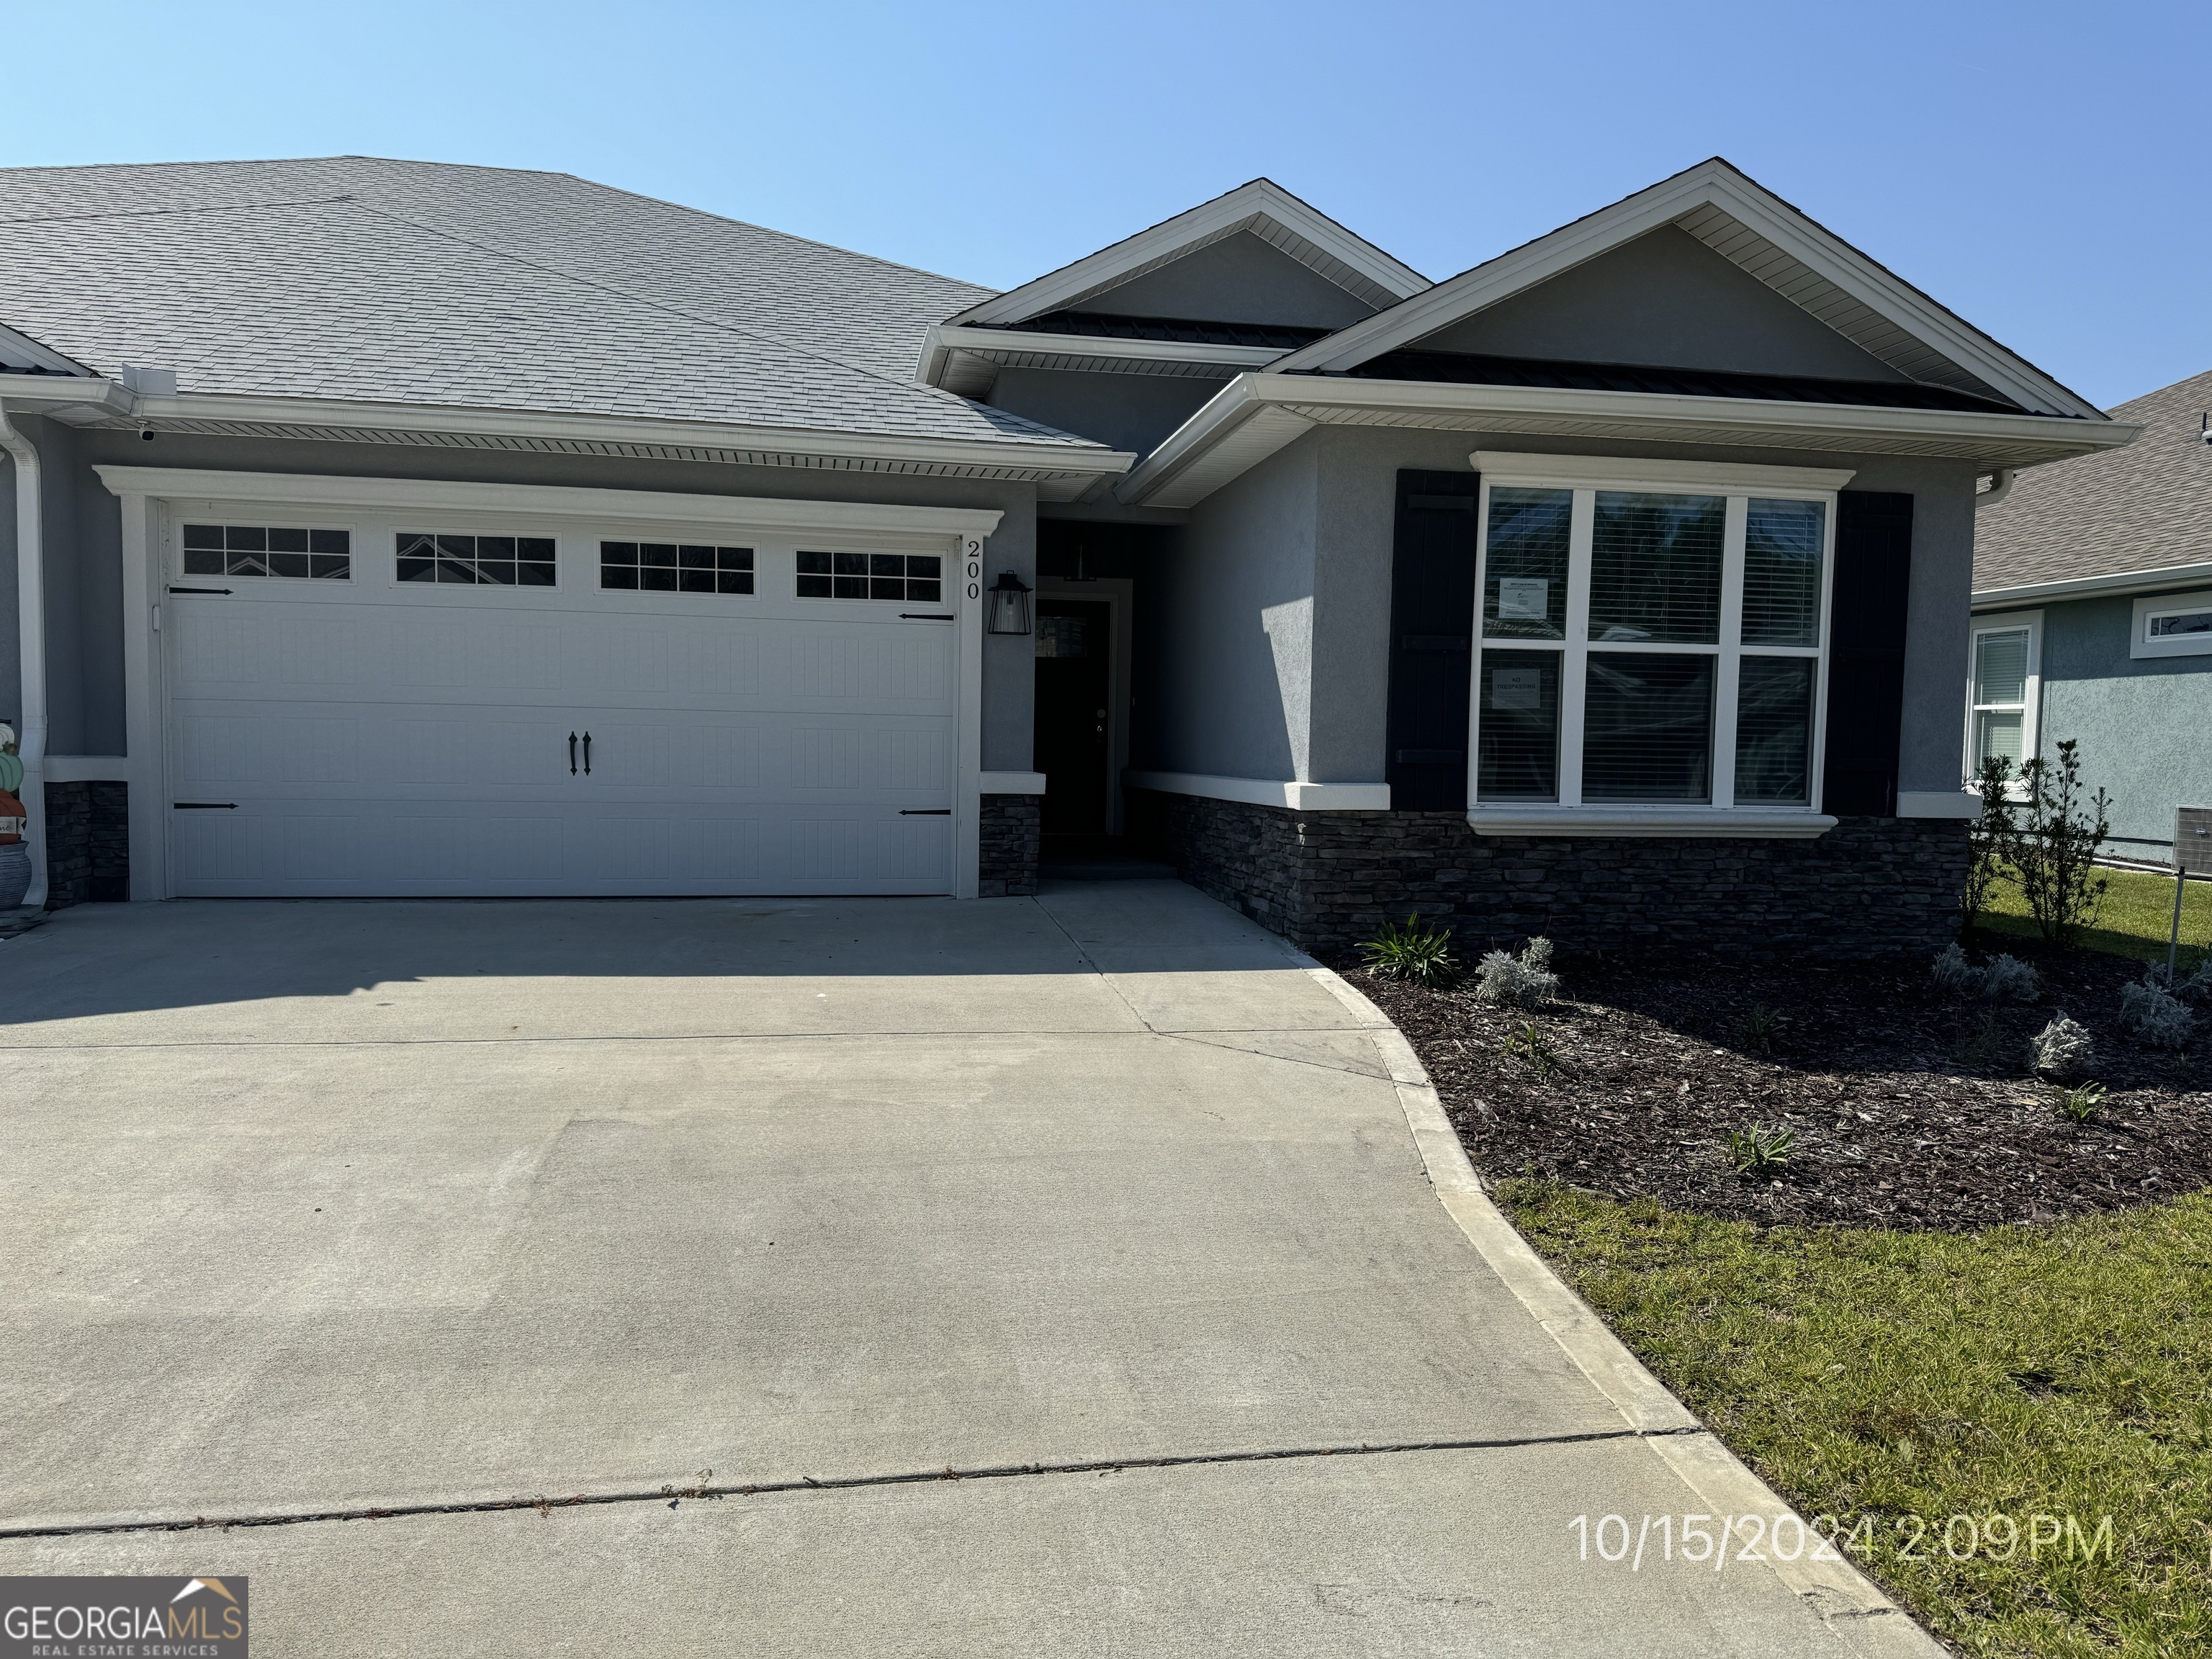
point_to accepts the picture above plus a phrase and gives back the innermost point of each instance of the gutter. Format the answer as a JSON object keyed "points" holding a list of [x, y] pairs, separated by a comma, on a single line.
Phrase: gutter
{"points": [[31, 619], [1289, 405], [2118, 582]]}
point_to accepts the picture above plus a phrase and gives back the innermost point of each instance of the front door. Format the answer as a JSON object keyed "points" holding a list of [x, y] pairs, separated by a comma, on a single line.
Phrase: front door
{"points": [[1073, 651]]}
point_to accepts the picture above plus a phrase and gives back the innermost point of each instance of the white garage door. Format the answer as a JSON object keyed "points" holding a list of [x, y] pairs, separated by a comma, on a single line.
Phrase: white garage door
{"points": [[454, 707]]}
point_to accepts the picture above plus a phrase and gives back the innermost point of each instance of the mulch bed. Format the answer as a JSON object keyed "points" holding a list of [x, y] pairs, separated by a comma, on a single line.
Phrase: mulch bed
{"points": [[1911, 1108]]}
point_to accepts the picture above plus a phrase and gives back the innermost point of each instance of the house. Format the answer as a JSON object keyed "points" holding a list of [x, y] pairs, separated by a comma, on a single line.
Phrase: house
{"points": [[2093, 617], [389, 528]]}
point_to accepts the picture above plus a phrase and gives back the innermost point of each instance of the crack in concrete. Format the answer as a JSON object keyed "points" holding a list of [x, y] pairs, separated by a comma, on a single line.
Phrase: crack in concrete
{"points": [[671, 1494]]}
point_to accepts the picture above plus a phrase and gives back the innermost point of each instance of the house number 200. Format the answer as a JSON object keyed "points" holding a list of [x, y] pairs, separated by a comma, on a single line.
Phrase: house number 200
{"points": [[975, 569]]}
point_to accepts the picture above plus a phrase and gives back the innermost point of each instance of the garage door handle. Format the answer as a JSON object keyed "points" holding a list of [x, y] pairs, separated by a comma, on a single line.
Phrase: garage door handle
{"points": [[912, 616], [199, 590], [204, 806], [587, 754], [925, 811], [572, 754]]}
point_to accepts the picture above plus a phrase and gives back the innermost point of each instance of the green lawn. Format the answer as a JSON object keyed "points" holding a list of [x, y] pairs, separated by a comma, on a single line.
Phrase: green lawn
{"points": [[2134, 920], [2054, 1372]]}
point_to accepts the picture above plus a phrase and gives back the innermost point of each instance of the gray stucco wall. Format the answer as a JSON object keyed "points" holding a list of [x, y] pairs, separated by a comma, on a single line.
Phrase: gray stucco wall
{"points": [[1316, 523], [1238, 279], [1128, 411], [1664, 299], [1230, 650], [87, 559], [2145, 723]]}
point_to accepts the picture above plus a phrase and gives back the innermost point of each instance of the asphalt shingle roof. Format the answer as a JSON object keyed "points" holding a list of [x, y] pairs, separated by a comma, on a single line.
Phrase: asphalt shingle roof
{"points": [[2141, 507], [355, 277]]}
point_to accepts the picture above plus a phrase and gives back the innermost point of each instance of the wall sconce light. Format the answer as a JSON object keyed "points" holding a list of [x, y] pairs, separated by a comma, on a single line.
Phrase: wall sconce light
{"points": [[1009, 604]]}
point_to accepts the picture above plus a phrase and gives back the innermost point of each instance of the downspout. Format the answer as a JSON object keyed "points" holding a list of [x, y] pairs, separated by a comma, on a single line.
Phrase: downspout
{"points": [[2000, 482], [31, 625]]}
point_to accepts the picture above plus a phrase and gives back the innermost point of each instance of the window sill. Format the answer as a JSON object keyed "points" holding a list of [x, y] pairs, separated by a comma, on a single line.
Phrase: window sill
{"points": [[1670, 821]]}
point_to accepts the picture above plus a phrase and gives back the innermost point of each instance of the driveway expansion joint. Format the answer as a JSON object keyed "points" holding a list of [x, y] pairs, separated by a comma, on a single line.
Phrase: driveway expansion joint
{"points": [[671, 1494]]}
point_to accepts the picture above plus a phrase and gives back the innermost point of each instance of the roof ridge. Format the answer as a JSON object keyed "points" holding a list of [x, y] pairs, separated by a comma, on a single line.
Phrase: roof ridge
{"points": [[798, 348]]}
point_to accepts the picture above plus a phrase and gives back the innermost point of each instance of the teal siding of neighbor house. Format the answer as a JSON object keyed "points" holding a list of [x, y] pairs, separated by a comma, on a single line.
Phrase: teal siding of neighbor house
{"points": [[2144, 723]]}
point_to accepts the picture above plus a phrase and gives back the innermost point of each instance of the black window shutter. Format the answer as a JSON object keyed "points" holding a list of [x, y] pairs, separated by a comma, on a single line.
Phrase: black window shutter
{"points": [[1866, 660], [1432, 612]]}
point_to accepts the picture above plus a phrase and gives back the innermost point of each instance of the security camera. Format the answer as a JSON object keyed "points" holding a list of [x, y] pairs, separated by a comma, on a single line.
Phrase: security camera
{"points": [[146, 435]]}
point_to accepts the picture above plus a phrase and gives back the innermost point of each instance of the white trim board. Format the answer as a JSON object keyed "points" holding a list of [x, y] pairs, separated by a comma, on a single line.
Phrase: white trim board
{"points": [[1763, 235], [2141, 645], [1262, 207], [965, 362], [2118, 582], [1508, 466], [1710, 823], [1269, 792], [1257, 414], [735, 512]]}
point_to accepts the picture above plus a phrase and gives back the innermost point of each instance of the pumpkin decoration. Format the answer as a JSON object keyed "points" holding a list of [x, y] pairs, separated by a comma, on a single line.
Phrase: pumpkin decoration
{"points": [[12, 817]]}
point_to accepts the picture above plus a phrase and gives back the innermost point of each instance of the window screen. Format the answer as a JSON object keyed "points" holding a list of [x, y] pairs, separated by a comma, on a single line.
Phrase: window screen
{"points": [[1524, 584], [476, 561], [1518, 758], [1774, 729], [1655, 569], [1782, 572], [1648, 728], [910, 578], [675, 567], [239, 550]]}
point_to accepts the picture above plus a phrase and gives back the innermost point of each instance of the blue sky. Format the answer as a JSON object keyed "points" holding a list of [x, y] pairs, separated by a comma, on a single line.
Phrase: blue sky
{"points": [[2042, 169]]}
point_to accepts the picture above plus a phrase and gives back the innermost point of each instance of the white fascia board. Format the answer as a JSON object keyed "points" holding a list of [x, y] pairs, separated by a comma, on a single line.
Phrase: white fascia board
{"points": [[1845, 429], [628, 506], [1716, 185], [1262, 199], [1085, 351], [62, 397], [1076, 458], [2119, 582], [1269, 792]]}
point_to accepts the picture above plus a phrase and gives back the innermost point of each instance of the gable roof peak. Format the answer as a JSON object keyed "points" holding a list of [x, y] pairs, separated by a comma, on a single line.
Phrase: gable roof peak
{"points": [[1288, 223], [1763, 235]]}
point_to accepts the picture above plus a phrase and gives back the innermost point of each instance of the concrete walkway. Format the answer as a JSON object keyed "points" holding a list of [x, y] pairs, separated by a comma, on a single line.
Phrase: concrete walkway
{"points": [[366, 1221]]}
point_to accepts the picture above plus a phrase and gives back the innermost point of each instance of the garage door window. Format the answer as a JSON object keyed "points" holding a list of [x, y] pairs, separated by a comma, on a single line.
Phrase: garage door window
{"points": [[675, 567], [243, 550], [909, 578], [476, 561]]}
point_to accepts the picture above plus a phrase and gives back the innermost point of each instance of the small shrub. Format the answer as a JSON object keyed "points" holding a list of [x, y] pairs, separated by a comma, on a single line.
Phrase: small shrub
{"points": [[1986, 840], [1530, 1044], [1759, 1150], [2053, 855], [2190, 988], [1985, 1045], [1953, 974], [2080, 1104], [2060, 1049], [2007, 978], [1756, 1030], [1421, 955], [2154, 1016], [1523, 981]]}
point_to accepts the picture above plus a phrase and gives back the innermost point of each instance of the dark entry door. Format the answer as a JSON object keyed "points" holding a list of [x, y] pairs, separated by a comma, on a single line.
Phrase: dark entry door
{"points": [[1073, 656]]}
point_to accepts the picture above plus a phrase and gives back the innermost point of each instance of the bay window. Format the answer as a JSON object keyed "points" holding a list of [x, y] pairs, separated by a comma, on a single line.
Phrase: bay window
{"points": [[1649, 646]]}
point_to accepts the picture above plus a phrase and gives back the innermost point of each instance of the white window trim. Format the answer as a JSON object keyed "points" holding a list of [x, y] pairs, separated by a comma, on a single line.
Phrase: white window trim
{"points": [[2140, 643], [1585, 475], [2031, 723]]}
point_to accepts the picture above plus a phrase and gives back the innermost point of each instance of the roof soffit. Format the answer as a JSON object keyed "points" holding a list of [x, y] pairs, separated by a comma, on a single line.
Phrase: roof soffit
{"points": [[1763, 236]]}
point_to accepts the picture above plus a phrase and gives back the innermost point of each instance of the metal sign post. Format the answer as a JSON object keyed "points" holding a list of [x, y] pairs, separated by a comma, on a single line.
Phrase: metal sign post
{"points": [[2192, 851]]}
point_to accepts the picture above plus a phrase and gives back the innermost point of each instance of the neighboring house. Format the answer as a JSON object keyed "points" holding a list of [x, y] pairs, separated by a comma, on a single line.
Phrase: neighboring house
{"points": [[386, 528], [2093, 617]]}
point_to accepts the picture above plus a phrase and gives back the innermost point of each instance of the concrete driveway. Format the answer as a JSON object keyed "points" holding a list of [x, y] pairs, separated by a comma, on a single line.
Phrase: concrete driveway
{"points": [[1080, 1275]]}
